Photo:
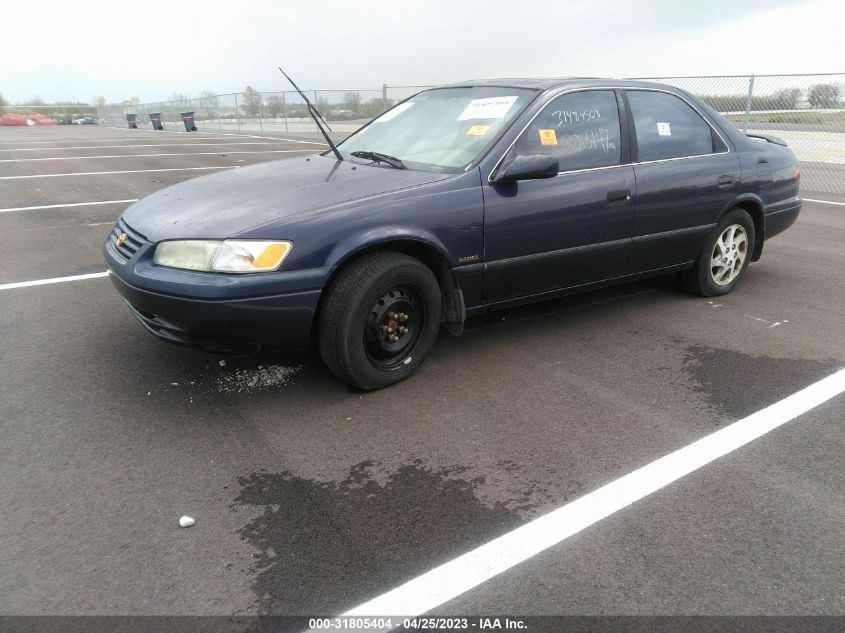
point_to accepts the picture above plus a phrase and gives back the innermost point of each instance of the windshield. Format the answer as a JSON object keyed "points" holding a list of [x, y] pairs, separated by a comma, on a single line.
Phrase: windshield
{"points": [[444, 129]]}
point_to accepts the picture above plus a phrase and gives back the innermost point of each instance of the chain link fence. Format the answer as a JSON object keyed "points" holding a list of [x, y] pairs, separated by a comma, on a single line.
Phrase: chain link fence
{"points": [[262, 112], [807, 111]]}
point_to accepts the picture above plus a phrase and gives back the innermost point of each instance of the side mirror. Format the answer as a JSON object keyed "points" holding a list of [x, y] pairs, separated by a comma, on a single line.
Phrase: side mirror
{"points": [[528, 167]]}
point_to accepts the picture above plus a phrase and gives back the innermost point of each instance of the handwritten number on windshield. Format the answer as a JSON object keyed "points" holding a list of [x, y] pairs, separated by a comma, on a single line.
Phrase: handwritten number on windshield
{"points": [[591, 140], [575, 116]]}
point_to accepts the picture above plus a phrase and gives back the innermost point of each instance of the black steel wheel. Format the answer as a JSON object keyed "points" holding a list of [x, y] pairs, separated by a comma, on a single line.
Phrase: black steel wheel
{"points": [[392, 329], [379, 319]]}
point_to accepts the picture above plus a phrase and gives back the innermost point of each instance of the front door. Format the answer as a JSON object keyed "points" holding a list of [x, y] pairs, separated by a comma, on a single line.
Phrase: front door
{"points": [[575, 228]]}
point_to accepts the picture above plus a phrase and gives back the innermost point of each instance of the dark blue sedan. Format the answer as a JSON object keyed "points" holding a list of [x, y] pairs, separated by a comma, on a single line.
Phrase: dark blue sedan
{"points": [[459, 200]]}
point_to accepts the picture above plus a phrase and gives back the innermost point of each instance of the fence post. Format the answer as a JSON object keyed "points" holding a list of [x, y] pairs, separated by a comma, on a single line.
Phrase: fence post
{"points": [[260, 113], [383, 97], [748, 103], [285, 110], [237, 112]]}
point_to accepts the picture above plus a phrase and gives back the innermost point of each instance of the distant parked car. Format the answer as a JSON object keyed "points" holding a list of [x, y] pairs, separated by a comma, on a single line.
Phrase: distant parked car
{"points": [[462, 199], [85, 121], [29, 120]]}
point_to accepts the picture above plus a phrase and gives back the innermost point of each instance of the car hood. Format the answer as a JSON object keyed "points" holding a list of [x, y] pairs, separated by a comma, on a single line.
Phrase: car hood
{"points": [[226, 203]]}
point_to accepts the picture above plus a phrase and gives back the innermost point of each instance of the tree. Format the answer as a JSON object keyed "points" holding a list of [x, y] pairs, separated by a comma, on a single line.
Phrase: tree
{"points": [[251, 102], [207, 104], [3, 102], [823, 95], [274, 106], [787, 98], [352, 102], [179, 101], [374, 107]]}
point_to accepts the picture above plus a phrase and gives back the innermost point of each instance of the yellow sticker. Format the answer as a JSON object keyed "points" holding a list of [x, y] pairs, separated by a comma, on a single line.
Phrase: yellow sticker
{"points": [[478, 130], [548, 137]]}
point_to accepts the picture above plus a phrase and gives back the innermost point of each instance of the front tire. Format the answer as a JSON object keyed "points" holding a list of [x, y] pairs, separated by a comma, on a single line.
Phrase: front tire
{"points": [[379, 319], [725, 257]]}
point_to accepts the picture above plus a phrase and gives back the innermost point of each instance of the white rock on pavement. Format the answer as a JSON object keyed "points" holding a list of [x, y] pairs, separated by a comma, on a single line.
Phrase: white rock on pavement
{"points": [[186, 521]]}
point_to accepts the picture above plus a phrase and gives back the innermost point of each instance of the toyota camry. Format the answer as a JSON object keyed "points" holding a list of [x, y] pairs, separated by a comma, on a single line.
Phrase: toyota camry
{"points": [[462, 199]]}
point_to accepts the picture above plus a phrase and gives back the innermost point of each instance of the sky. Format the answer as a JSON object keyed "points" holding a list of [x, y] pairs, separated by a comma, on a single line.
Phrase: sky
{"points": [[82, 49]]}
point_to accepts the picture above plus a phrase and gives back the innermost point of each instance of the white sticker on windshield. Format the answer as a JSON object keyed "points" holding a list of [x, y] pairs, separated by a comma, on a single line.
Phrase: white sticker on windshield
{"points": [[663, 129], [490, 108], [390, 114]]}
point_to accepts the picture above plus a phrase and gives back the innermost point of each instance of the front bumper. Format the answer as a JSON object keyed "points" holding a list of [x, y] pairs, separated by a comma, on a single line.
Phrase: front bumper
{"points": [[241, 326], [218, 312]]}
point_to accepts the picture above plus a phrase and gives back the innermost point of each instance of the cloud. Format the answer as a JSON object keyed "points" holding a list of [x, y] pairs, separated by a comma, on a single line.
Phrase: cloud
{"points": [[125, 49]]}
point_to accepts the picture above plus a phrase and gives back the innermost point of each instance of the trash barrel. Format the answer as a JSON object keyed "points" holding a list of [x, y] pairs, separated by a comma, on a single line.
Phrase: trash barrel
{"points": [[131, 119], [188, 120], [155, 119]]}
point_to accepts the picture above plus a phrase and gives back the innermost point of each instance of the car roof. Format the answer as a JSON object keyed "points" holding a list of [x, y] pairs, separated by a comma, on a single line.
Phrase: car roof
{"points": [[547, 83]]}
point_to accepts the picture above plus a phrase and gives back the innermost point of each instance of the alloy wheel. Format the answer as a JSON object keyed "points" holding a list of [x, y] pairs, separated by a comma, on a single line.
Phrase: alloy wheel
{"points": [[729, 255]]}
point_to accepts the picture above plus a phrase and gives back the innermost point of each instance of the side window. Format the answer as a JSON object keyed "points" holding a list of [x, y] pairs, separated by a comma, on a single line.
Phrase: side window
{"points": [[581, 129], [667, 127]]}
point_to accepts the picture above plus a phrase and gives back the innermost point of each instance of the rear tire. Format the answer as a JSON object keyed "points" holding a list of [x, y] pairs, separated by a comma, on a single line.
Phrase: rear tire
{"points": [[725, 257], [379, 319]]}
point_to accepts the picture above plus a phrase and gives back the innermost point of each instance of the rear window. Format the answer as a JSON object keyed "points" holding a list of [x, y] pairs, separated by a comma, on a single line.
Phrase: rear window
{"points": [[667, 127]]}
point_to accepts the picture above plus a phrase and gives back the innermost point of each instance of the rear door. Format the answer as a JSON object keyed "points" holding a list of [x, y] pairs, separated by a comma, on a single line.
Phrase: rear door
{"points": [[542, 235], [686, 175]]}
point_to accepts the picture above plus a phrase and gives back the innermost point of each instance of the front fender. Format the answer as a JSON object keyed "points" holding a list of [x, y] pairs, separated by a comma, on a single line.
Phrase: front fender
{"points": [[358, 242]]}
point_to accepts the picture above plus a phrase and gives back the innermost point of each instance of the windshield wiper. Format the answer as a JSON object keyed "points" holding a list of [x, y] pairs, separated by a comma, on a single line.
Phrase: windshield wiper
{"points": [[314, 115], [381, 158]]}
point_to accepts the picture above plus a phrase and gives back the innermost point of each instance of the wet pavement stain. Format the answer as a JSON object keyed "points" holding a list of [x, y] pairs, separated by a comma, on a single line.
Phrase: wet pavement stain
{"points": [[326, 546], [740, 384]]}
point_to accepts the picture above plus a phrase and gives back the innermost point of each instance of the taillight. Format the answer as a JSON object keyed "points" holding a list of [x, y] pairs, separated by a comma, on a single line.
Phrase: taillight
{"points": [[797, 173]]}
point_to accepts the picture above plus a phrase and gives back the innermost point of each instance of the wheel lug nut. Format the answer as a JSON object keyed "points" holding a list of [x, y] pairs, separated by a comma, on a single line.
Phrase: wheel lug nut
{"points": [[393, 338], [402, 330]]}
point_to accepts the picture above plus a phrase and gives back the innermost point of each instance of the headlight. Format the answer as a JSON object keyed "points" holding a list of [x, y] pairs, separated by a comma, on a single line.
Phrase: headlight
{"points": [[228, 256]]}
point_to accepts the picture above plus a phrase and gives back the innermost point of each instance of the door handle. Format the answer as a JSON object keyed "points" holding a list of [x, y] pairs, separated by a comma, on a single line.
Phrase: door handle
{"points": [[726, 180], [619, 196]]}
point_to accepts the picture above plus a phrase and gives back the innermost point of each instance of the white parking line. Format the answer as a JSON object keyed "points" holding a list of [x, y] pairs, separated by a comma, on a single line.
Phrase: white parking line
{"points": [[258, 151], [839, 204], [124, 171], [53, 280], [243, 135], [452, 579], [95, 140], [161, 134], [211, 144], [70, 204], [278, 138]]}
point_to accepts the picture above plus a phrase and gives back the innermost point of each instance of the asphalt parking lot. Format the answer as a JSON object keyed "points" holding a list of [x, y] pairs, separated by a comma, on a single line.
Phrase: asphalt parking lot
{"points": [[312, 498]]}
